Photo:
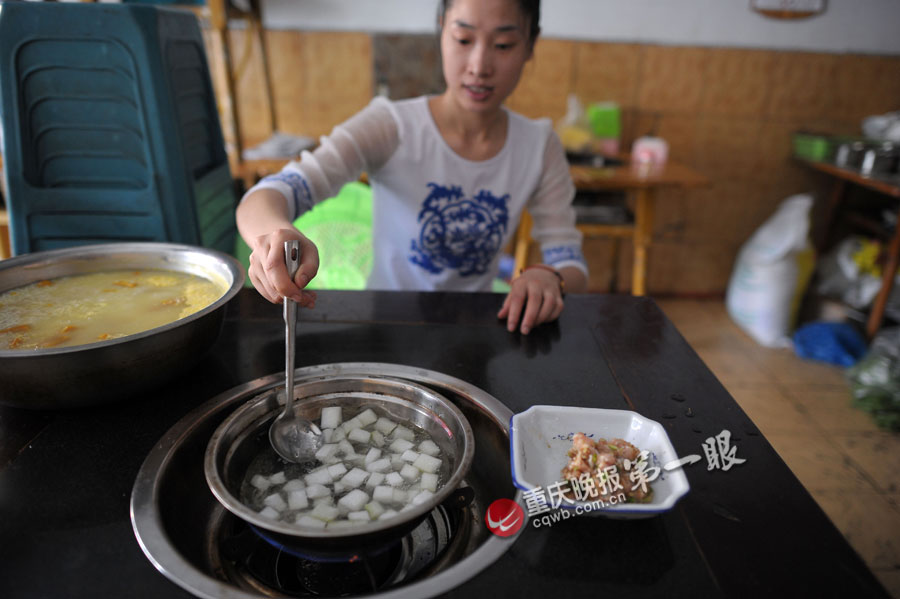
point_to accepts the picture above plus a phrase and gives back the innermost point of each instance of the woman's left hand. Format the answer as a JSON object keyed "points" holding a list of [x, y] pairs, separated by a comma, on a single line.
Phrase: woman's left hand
{"points": [[535, 297]]}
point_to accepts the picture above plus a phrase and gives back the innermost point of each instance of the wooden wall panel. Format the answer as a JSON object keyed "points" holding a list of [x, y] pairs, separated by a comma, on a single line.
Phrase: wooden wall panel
{"points": [[318, 79], [286, 50], [672, 79], [546, 80], [336, 79], [865, 85], [802, 85], [250, 87], [607, 72], [736, 82]]}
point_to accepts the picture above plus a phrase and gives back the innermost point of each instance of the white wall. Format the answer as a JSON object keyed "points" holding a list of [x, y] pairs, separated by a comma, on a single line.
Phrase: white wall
{"points": [[866, 26]]}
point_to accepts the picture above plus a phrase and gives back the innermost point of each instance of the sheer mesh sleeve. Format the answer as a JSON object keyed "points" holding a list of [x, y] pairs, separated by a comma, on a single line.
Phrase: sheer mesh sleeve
{"points": [[363, 143], [552, 211]]}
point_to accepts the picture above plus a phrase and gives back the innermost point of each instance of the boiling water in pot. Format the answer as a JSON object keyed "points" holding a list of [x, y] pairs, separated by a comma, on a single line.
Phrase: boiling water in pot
{"points": [[369, 468]]}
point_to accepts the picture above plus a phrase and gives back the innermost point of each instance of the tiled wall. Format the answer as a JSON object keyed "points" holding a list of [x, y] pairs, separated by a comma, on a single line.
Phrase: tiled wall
{"points": [[728, 113]]}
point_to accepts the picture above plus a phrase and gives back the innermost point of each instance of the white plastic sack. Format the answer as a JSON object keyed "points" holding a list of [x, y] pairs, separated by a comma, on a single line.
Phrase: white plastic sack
{"points": [[771, 273]]}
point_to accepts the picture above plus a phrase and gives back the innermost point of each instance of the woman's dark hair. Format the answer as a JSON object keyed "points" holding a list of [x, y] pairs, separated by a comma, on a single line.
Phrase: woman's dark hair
{"points": [[530, 8]]}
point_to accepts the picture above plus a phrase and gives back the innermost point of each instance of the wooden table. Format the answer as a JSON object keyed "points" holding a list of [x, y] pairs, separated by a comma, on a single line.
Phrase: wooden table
{"points": [[643, 184], [842, 177], [66, 477]]}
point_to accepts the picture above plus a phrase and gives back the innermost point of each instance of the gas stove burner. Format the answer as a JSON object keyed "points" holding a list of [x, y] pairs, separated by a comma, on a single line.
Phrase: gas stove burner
{"points": [[250, 560], [194, 541], [316, 555]]}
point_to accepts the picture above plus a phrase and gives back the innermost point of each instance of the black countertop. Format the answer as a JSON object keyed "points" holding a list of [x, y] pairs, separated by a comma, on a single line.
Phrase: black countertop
{"points": [[66, 477]]}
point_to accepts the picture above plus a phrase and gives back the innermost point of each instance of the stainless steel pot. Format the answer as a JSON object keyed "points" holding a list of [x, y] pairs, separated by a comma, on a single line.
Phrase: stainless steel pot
{"points": [[243, 437], [113, 370]]}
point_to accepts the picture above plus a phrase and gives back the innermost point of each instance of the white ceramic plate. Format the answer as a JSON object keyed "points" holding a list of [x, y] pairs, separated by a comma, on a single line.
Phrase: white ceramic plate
{"points": [[540, 437]]}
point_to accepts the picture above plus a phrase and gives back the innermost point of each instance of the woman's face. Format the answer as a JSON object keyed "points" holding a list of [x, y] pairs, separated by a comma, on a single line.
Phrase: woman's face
{"points": [[484, 46]]}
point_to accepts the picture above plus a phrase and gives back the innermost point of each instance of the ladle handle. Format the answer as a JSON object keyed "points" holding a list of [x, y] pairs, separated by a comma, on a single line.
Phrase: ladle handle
{"points": [[292, 261]]}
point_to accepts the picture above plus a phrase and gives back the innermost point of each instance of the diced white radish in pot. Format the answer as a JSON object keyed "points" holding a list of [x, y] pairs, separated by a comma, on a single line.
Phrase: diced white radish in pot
{"points": [[373, 455], [351, 424], [295, 484], [400, 445], [385, 425], [401, 432], [367, 417], [326, 451], [270, 513], [316, 490], [331, 417], [383, 494], [381, 465], [355, 500], [324, 512], [429, 481], [427, 463], [319, 476], [410, 472], [260, 482], [375, 509], [346, 448], [297, 500], [359, 435], [355, 478], [430, 447], [275, 501], [310, 522], [337, 471], [375, 479], [397, 468]]}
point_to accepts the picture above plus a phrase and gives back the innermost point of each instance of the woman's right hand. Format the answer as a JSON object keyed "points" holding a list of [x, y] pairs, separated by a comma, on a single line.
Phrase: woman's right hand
{"points": [[268, 272]]}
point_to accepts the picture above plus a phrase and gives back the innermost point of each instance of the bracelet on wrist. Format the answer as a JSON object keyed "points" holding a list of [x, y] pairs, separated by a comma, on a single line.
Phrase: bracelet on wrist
{"points": [[562, 282]]}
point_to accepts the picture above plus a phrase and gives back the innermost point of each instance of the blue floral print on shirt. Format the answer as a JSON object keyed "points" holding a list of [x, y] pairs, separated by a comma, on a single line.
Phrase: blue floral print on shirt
{"points": [[458, 232]]}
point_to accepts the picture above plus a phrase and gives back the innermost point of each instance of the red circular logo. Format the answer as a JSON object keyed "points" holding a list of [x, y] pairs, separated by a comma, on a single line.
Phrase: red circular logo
{"points": [[504, 517]]}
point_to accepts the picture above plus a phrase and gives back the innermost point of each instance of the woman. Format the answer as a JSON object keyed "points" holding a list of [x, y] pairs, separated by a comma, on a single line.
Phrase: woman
{"points": [[450, 174]]}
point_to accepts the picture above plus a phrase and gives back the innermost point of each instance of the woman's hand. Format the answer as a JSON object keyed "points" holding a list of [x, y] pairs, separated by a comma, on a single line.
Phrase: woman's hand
{"points": [[535, 296], [269, 274]]}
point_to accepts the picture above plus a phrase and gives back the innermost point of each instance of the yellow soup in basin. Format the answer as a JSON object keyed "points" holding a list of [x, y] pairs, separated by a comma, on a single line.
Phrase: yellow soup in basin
{"points": [[87, 308]]}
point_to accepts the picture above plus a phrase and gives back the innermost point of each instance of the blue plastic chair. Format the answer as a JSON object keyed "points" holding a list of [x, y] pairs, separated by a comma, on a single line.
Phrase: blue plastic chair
{"points": [[111, 131]]}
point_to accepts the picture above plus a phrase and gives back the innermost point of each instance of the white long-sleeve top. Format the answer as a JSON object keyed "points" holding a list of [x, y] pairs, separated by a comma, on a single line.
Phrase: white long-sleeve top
{"points": [[439, 220]]}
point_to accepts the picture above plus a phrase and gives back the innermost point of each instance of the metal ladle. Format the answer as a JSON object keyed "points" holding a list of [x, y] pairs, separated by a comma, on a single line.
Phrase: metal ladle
{"points": [[294, 438]]}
